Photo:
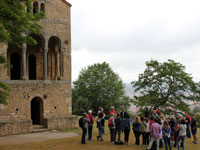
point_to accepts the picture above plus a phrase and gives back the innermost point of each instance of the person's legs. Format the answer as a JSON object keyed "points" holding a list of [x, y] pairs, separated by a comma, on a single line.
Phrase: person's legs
{"points": [[143, 138], [90, 128], [188, 131], [148, 137], [183, 143], [169, 143], [150, 143], [178, 141], [157, 142], [138, 137], [83, 141], [135, 136], [119, 136], [166, 142]]}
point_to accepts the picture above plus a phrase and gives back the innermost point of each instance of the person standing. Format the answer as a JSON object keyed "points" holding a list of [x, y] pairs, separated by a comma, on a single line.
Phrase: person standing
{"points": [[137, 129], [103, 119], [147, 132], [143, 129], [188, 121], [111, 125], [156, 134], [126, 126], [146, 113], [90, 125], [182, 133], [84, 128], [112, 111], [166, 131], [194, 125], [118, 128], [100, 127]]}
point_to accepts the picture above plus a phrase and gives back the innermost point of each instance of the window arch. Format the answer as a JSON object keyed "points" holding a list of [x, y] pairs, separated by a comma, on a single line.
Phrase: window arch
{"points": [[42, 7], [35, 7]]}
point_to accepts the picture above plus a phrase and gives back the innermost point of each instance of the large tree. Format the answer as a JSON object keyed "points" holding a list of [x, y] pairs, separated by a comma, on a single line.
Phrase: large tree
{"points": [[17, 22], [165, 85], [4, 90], [98, 86]]}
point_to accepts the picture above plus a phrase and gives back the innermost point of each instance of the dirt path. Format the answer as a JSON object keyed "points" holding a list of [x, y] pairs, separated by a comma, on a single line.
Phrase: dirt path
{"points": [[35, 137]]}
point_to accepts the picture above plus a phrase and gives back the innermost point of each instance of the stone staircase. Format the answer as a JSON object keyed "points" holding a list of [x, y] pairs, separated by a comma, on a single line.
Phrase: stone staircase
{"points": [[39, 128]]}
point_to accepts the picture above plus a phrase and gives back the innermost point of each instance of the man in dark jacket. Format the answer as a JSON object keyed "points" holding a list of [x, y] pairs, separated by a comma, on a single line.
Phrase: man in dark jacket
{"points": [[84, 128], [118, 128]]}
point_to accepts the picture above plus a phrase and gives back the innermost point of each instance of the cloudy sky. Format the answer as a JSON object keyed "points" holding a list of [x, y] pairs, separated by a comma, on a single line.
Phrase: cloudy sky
{"points": [[126, 33]]}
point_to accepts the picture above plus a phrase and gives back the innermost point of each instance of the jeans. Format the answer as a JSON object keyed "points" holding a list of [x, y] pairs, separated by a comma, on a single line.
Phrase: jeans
{"points": [[137, 137], [147, 137], [83, 140], [100, 133], [126, 133], [112, 135], [118, 132], [167, 142], [103, 129], [143, 138], [151, 143], [188, 133], [182, 139], [90, 128]]}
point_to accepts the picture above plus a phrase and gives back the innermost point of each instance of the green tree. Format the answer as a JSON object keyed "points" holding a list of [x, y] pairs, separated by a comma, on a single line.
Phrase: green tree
{"points": [[98, 86], [165, 85], [4, 90], [16, 21]]}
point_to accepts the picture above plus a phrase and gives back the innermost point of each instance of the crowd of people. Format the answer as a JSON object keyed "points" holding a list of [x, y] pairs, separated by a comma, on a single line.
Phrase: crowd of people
{"points": [[155, 128]]}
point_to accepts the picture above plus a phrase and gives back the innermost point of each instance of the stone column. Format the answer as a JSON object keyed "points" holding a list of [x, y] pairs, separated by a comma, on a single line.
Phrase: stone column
{"points": [[45, 62], [61, 61], [24, 73]]}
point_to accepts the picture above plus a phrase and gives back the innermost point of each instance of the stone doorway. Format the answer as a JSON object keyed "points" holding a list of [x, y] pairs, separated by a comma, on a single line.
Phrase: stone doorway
{"points": [[15, 61], [37, 111], [32, 67]]}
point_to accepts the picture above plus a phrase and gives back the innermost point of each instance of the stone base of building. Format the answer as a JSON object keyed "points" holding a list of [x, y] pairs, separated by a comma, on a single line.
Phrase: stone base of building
{"points": [[25, 126], [61, 123], [15, 127]]}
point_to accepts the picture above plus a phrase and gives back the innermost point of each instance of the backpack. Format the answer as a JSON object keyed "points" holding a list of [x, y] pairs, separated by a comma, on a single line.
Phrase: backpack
{"points": [[99, 123], [111, 122], [81, 123]]}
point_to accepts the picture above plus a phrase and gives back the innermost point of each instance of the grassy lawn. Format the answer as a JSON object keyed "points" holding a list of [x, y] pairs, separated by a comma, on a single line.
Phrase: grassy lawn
{"points": [[74, 144]]}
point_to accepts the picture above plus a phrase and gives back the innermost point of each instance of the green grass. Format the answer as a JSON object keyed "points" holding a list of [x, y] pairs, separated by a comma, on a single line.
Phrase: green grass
{"points": [[74, 143]]}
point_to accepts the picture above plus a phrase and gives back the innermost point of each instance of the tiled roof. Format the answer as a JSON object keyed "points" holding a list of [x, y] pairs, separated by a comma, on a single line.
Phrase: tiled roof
{"points": [[66, 2]]}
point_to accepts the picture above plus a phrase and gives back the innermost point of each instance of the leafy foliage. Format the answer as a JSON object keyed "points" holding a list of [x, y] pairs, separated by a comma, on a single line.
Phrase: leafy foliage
{"points": [[165, 85], [16, 22], [98, 86], [3, 88]]}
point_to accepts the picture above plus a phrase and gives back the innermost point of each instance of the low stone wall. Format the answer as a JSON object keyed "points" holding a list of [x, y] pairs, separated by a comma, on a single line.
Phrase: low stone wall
{"points": [[15, 127], [61, 123]]}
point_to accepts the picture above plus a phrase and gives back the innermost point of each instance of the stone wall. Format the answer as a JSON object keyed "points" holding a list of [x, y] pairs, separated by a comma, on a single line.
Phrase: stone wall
{"points": [[56, 97], [61, 123], [15, 127]]}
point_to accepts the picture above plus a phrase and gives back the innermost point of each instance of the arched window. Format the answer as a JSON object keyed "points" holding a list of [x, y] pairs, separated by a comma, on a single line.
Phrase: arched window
{"points": [[15, 61], [42, 7], [35, 7]]}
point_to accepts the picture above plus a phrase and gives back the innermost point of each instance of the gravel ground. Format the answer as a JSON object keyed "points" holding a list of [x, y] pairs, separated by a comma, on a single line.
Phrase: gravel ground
{"points": [[35, 137]]}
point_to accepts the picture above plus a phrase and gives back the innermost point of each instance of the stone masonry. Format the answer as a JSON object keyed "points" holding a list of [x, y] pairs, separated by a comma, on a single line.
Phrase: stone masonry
{"points": [[40, 76]]}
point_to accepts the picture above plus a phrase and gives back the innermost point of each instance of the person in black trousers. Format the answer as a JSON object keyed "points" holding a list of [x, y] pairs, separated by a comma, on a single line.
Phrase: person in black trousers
{"points": [[126, 126], [136, 129]]}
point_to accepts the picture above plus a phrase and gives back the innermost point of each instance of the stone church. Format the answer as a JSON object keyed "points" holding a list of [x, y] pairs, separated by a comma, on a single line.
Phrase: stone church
{"points": [[40, 76]]}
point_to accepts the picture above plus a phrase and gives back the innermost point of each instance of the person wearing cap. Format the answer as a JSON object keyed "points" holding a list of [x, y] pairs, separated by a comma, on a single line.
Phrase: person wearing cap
{"points": [[90, 124]]}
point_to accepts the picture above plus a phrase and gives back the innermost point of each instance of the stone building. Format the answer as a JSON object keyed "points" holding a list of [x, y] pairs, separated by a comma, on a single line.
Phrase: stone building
{"points": [[40, 76]]}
